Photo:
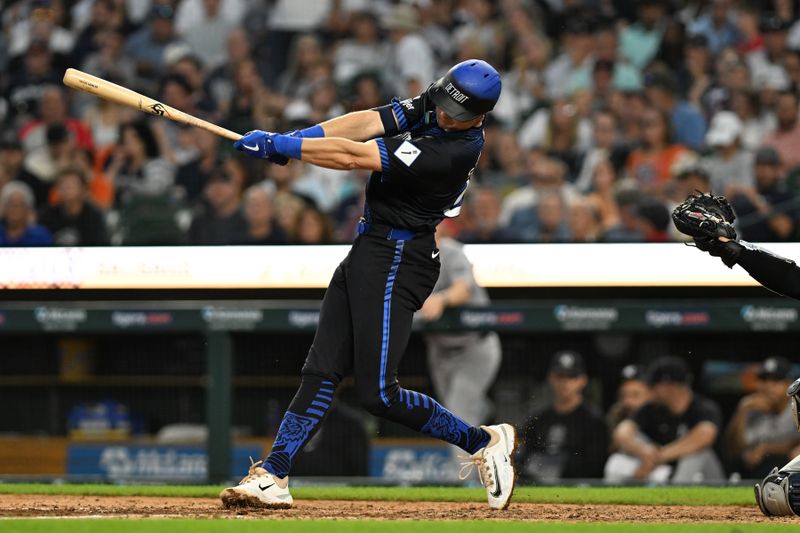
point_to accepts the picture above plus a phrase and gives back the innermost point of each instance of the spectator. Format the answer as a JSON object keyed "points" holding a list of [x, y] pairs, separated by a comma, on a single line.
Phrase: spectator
{"points": [[654, 220], [148, 47], [507, 163], [261, 225], [312, 227], [560, 131], [204, 25], [577, 48], [628, 229], [74, 221], [544, 173], [787, 136], [606, 146], [774, 31], [483, 211], [191, 177], [569, 438], [757, 123], [53, 112], [547, 222], [12, 168], [523, 83], [44, 162], [671, 437], [729, 166], [652, 165], [687, 125], [761, 433], [602, 196], [136, 165], [584, 221], [220, 221], [17, 210], [403, 77], [25, 85], [363, 53], [640, 41], [462, 365], [632, 394], [767, 213], [718, 26], [109, 61]]}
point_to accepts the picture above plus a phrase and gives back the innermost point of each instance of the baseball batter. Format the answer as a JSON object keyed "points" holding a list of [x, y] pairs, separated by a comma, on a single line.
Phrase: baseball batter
{"points": [[709, 220], [422, 152]]}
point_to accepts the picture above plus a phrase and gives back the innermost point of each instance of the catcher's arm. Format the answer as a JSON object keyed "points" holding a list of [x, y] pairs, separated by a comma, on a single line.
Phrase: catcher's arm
{"points": [[708, 219]]}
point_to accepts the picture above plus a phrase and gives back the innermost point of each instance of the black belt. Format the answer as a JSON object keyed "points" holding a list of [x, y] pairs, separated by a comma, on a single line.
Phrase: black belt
{"points": [[387, 232]]}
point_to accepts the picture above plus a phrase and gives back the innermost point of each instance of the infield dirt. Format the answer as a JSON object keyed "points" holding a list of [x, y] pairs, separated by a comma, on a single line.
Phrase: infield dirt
{"points": [[20, 505]]}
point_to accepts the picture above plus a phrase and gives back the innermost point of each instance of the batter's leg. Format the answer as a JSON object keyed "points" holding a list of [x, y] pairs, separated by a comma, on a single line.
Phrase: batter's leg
{"points": [[328, 360]]}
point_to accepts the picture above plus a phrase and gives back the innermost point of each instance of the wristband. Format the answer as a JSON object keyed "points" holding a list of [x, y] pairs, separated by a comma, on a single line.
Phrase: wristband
{"points": [[289, 146], [314, 132]]}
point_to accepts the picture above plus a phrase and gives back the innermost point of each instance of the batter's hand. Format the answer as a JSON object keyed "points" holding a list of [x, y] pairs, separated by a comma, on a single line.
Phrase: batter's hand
{"points": [[257, 143]]}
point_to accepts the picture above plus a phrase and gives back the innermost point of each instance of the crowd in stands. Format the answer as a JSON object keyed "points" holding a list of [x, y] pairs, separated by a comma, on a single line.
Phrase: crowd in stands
{"points": [[611, 112], [660, 430]]}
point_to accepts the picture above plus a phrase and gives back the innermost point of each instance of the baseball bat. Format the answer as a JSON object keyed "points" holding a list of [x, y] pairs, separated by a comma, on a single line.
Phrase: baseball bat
{"points": [[112, 92]]}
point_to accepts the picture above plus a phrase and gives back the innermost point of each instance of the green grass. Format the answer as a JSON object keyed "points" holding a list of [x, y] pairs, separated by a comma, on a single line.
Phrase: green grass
{"points": [[610, 495], [286, 526]]}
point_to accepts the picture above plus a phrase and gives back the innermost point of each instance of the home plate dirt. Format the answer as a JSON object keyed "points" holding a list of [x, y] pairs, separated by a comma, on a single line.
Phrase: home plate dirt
{"points": [[19, 505]]}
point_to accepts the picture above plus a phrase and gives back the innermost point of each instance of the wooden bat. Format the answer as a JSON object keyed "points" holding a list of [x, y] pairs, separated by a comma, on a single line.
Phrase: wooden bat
{"points": [[120, 95]]}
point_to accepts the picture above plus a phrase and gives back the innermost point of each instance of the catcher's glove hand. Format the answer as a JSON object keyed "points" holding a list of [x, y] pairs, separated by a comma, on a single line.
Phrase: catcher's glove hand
{"points": [[707, 218], [704, 216]]}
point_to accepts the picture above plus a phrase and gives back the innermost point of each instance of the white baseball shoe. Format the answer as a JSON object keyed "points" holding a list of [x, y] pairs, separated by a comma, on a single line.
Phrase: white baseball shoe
{"points": [[495, 464], [258, 488]]}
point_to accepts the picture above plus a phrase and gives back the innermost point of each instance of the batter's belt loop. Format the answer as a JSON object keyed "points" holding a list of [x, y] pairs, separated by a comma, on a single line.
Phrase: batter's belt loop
{"points": [[388, 232]]}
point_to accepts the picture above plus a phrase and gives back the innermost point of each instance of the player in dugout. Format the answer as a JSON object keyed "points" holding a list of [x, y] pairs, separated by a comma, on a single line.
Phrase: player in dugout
{"points": [[422, 152], [708, 219]]}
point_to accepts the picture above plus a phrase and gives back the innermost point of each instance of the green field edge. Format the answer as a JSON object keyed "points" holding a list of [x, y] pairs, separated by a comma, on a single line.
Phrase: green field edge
{"points": [[717, 496]]}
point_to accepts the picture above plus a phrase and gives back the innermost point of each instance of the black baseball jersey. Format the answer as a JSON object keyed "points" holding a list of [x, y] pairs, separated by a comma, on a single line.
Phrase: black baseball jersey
{"points": [[425, 170], [662, 427]]}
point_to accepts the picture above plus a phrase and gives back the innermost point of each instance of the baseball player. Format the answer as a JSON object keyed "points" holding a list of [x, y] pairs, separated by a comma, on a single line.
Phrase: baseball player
{"points": [[709, 220], [422, 153]]}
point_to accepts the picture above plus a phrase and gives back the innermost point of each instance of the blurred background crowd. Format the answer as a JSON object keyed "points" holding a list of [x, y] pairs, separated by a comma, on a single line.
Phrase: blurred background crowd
{"points": [[612, 111]]}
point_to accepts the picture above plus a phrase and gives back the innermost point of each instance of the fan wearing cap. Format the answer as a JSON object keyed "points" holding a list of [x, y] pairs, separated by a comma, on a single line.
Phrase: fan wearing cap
{"points": [[670, 437], [729, 167], [569, 438], [761, 432], [422, 153]]}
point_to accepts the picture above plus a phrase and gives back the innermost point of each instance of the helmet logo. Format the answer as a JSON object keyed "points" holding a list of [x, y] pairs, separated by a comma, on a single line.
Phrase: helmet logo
{"points": [[455, 94]]}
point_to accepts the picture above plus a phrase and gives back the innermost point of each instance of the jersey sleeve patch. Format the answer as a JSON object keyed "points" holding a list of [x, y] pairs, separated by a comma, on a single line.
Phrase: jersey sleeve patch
{"points": [[407, 153]]}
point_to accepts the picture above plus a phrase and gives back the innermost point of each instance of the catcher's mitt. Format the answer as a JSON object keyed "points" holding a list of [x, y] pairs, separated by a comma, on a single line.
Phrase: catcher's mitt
{"points": [[705, 217]]}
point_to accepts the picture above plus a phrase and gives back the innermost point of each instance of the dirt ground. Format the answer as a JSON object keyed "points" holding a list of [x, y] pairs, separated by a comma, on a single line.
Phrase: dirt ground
{"points": [[149, 507]]}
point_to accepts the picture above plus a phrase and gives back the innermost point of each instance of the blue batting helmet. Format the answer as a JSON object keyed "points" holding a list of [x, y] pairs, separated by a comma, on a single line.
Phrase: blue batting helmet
{"points": [[468, 90]]}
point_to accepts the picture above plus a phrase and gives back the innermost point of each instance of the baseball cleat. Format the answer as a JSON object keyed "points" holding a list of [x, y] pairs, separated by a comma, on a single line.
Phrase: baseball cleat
{"points": [[495, 464], [259, 489]]}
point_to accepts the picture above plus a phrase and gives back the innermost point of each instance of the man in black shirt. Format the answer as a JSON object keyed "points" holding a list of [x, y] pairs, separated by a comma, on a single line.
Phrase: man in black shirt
{"points": [[422, 153], [671, 437], [569, 439], [74, 221]]}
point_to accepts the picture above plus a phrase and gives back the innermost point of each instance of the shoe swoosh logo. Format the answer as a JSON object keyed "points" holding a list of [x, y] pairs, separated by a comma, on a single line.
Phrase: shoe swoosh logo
{"points": [[268, 486], [435, 254], [253, 148], [498, 490]]}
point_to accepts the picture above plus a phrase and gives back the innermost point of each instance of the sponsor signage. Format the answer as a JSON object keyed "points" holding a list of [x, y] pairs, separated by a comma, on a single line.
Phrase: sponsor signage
{"points": [[481, 319], [59, 319], [120, 462], [767, 318], [228, 318], [303, 319], [584, 317], [141, 319], [413, 464], [664, 318]]}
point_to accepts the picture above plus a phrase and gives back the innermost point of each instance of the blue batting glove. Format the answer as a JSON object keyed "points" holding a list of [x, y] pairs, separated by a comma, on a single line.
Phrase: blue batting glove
{"points": [[279, 159], [257, 143]]}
